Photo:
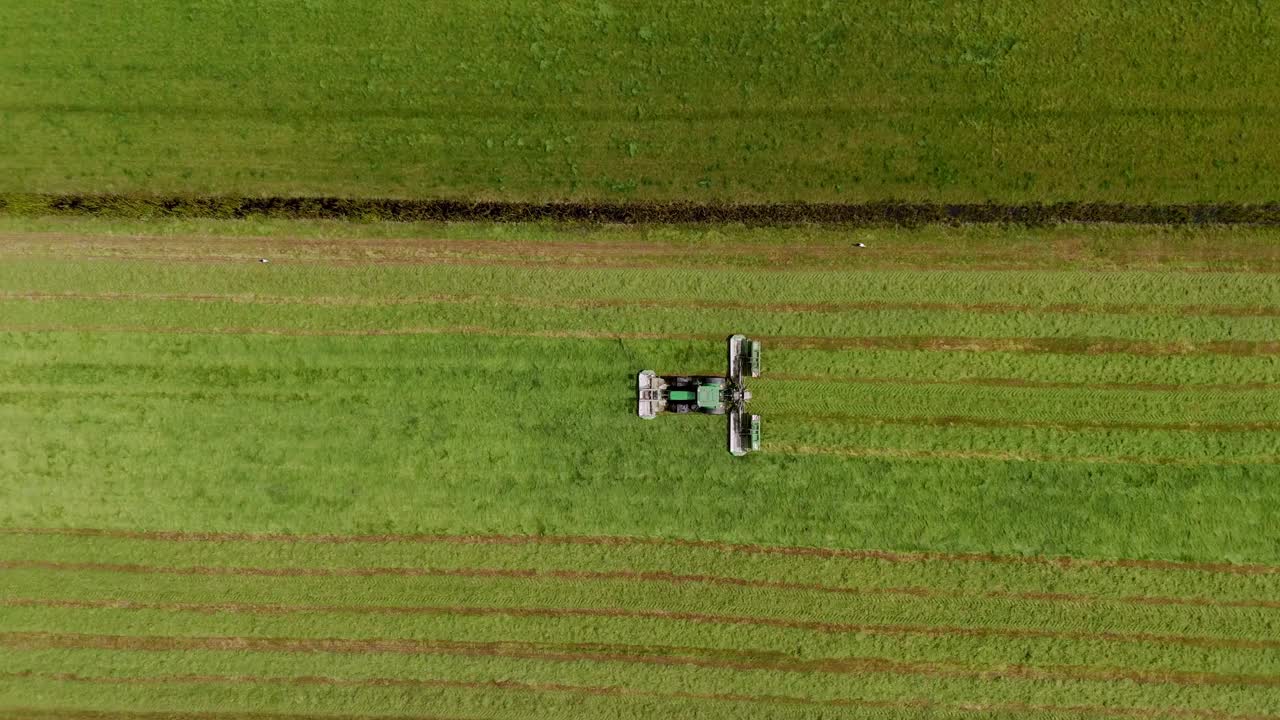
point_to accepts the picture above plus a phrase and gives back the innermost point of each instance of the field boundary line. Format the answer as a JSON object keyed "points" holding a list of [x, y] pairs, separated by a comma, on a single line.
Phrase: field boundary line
{"points": [[977, 708], [1044, 345], [672, 303], [818, 626], [892, 556]]}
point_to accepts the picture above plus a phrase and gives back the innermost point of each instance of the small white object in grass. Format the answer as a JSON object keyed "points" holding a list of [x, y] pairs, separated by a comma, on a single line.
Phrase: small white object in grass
{"points": [[263, 260], [859, 244]]}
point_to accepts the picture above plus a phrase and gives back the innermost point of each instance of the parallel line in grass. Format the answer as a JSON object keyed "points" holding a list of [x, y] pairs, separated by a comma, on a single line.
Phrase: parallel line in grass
{"points": [[1024, 383], [965, 421], [623, 541], [652, 576], [833, 628], [983, 455], [507, 685], [667, 655], [27, 713], [1043, 345], [531, 301]]}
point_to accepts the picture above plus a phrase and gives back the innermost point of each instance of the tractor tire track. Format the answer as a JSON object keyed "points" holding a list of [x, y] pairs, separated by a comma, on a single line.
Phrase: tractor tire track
{"points": [[625, 541], [623, 691], [623, 575], [831, 628], [737, 660]]}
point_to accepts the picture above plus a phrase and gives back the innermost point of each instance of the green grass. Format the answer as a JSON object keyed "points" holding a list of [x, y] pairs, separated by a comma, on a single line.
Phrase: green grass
{"points": [[108, 420], [1093, 636], [471, 431], [1130, 102]]}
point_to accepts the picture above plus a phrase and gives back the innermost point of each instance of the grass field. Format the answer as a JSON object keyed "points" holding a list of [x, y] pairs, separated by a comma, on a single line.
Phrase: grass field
{"points": [[396, 471], [716, 100]]}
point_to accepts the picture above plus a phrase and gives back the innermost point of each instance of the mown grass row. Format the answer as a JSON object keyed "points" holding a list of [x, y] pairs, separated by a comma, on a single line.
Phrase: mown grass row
{"points": [[644, 677], [572, 588], [977, 575]]}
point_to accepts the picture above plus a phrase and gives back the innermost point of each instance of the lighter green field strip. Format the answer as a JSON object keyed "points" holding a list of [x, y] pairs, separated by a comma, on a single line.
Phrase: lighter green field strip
{"points": [[1075, 248], [660, 321], [283, 357], [975, 576], [1032, 404], [932, 435], [657, 629], [893, 683], [570, 588], [1170, 290]]}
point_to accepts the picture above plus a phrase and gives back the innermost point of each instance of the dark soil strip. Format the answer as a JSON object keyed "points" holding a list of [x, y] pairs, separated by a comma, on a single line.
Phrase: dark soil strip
{"points": [[741, 660], [653, 576], [832, 628], [866, 214], [663, 303], [1033, 384], [979, 709], [624, 541], [964, 421]]}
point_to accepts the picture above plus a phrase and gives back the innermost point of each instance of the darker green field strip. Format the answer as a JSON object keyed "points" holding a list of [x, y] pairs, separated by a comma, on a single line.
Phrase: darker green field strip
{"points": [[893, 684], [1163, 293], [690, 104], [570, 589], [1055, 332], [457, 628], [928, 574]]}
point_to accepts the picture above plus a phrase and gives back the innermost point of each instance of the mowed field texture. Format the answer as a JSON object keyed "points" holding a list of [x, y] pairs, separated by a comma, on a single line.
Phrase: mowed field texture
{"points": [[396, 471], [714, 100]]}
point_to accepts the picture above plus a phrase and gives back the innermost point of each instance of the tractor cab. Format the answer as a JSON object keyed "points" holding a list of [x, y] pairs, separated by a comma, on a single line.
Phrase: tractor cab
{"points": [[682, 394]]}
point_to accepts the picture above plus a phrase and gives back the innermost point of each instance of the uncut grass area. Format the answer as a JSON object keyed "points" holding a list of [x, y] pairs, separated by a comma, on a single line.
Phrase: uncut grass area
{"points": [[700, 102], [396, 472]]}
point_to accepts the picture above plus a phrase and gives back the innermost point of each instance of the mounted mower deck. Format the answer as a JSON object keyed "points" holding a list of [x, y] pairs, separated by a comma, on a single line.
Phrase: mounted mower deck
{"points": [[682, 394]]}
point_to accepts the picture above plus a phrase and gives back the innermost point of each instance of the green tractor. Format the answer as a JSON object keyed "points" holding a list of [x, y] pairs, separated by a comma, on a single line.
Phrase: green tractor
{"points": [[682, 394]]}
